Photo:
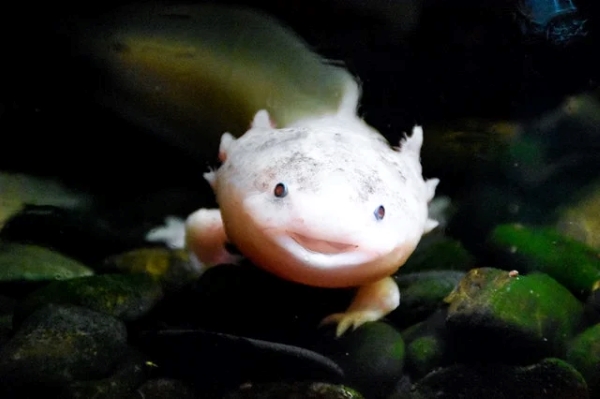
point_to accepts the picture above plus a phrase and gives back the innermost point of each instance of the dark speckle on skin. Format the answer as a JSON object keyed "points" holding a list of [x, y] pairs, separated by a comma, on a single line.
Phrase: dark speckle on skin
{"points": [[298, 158], [303, 167], [394, 164], [305, 160], [283, 138], [368, 183]]}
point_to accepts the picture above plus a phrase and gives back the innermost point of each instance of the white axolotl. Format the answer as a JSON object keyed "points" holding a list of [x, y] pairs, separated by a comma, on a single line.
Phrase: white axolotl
{"points": [[325, 202]]}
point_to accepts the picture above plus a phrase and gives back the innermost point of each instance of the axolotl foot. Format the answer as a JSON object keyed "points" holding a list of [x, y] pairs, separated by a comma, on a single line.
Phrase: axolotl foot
{"points": [[206, 238], [372, 302]]}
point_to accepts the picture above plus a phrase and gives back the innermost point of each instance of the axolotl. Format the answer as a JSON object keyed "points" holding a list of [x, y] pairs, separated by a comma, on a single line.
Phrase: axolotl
{"points": [[325, 201]]}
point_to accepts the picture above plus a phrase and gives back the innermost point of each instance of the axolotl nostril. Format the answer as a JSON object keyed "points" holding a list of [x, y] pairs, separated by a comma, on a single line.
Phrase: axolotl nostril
{"points": [[325, 202]]}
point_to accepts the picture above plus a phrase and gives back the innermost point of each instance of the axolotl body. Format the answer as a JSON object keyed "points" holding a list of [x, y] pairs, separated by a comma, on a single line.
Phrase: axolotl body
{"points": [[325, 202]]}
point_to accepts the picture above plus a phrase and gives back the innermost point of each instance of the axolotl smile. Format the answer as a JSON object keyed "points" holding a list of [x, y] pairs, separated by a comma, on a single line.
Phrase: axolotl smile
{"points": [[315, 245], [322, 253]]}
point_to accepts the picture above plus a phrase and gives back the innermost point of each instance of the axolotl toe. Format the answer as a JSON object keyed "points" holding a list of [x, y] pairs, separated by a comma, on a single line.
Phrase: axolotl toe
{"points": [[325, 202]]}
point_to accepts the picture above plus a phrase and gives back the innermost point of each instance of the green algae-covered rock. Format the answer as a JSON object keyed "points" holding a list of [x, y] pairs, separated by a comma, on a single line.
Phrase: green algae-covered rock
{"points": [[507, 316], [21, 262], [172, 267], [584, 355], [372, 357], [526, 249], [292, 390], [438, 252], [425, 353], [61, 344], [551, 378], [422, 293], [427, 345], [127, 297]]}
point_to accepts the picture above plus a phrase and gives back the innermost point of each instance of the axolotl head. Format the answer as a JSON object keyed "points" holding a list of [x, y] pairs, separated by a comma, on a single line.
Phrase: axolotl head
{"points": [[326, 203]]}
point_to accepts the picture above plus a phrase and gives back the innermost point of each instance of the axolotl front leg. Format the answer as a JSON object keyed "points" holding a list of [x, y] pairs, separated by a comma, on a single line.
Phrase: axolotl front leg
{"points": [[206, 238], [371, 302]]}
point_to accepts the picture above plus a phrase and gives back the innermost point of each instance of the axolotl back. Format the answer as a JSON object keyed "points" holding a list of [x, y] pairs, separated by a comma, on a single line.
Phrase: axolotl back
{"points": [[324, 202]]}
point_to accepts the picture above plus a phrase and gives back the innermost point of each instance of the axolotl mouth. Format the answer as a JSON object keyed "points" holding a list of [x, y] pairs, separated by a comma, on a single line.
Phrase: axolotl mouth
{"points": [[321, 246], [322, 253], [325, 260]]}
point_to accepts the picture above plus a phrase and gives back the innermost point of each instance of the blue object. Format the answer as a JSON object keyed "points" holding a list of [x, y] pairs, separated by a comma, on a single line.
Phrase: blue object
{"points": [[556, 21]]}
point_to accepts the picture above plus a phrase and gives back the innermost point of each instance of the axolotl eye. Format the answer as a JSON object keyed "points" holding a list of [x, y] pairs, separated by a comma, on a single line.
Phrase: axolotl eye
{"points": [[379, 212], [280, 190]]}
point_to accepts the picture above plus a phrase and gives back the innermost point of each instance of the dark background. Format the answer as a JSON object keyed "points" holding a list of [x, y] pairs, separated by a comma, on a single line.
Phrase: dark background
{"points": [[462, 58]]}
